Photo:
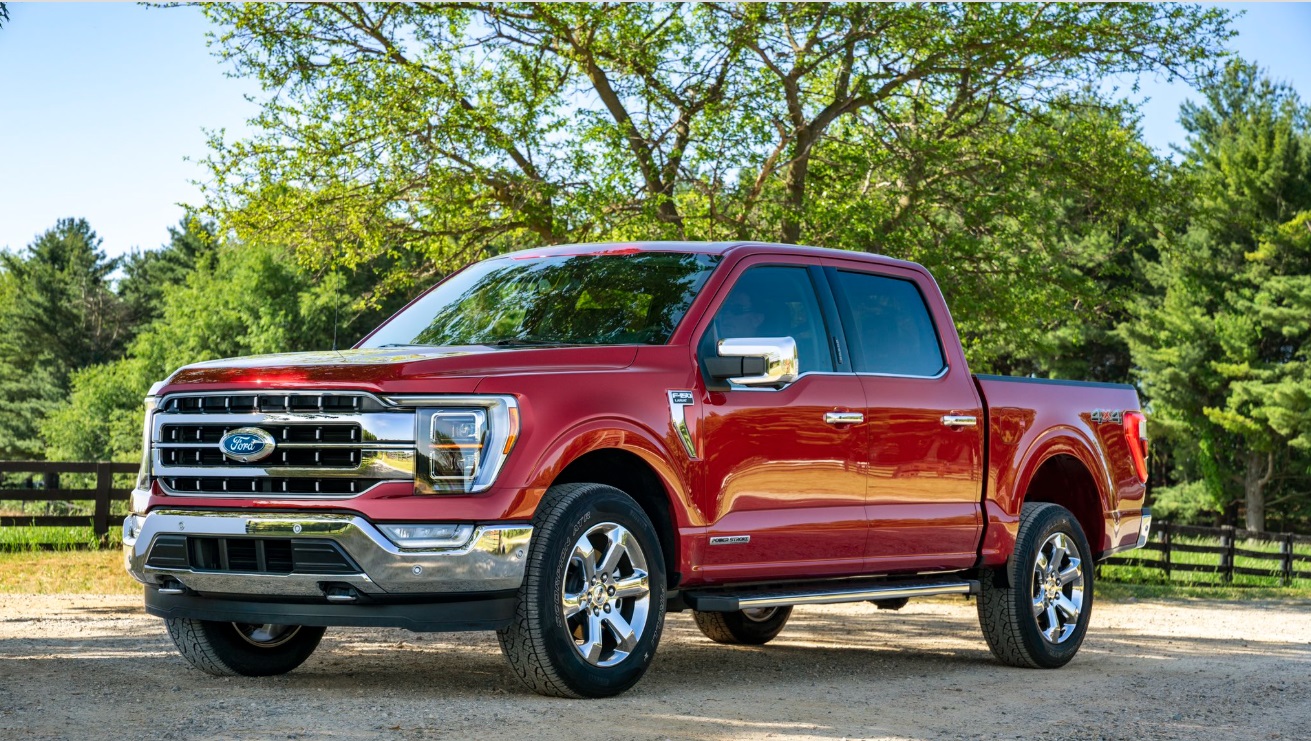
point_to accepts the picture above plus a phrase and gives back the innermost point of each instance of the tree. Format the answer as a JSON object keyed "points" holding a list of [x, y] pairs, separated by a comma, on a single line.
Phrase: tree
{"points": [[1223, 348], [445, 132], [248, 299], [64, 314], [193, 243]]}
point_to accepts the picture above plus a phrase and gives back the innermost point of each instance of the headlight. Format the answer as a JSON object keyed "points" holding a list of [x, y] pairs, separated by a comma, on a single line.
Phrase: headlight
{"points": [[461, 446], [143, 475]]}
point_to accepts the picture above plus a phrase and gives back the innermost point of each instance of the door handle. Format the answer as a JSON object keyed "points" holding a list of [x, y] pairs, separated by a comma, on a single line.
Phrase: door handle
{"points": [[844, 418], [960, 420]]}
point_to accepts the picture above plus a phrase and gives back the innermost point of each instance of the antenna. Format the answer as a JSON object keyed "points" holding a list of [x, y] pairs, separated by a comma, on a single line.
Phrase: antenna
{"points": [[336, 301]]}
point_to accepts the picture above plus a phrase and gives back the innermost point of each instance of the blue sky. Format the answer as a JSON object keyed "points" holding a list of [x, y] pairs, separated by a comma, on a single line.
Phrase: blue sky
{"points": [[101, 105]]}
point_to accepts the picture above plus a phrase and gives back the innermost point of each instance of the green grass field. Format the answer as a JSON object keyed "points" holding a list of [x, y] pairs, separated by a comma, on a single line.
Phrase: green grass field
{"points": [[1148, 574]]}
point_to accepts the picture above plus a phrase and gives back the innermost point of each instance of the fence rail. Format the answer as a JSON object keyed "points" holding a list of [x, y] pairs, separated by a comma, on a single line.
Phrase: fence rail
{"points": [[1286, 563], [102, 493]]}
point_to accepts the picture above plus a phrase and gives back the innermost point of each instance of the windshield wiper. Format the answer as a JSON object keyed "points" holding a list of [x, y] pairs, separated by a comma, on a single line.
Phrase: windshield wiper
{"points": [[528, 342], [406, 344]]}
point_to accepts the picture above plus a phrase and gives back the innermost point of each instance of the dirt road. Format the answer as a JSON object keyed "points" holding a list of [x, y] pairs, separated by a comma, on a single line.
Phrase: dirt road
{"points": [[77, 667]]}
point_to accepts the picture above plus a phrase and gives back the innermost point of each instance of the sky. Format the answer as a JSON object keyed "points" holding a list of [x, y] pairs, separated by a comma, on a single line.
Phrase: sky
{"points": [[104, 108]]}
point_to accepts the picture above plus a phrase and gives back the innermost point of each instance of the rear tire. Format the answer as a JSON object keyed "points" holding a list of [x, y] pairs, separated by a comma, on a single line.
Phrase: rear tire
{"points": [[592, 604], [1035, 612], [744, 627], [240, 649]]}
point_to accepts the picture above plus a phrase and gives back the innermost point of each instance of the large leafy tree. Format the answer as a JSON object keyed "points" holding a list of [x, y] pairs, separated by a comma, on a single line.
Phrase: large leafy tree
{"points": [[244, 299], [1224, 347], [446, 131]]}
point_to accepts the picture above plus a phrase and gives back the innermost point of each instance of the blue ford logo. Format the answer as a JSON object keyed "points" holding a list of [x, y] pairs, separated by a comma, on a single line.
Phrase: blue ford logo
{"points": [[247, 444]]}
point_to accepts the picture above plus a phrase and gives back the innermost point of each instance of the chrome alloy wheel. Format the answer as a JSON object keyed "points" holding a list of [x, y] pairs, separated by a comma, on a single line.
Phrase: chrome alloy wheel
{"points": [[1057, 588], [759, 614], [606, 594], [267, 635]]}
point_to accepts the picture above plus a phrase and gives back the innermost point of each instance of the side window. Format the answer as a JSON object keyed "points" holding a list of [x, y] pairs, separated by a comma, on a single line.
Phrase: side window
{"points": [[891, 327], [773, 301]]}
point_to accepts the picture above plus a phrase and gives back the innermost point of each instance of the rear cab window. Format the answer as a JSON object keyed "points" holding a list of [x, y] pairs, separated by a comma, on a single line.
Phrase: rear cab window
{"points": [[888, 325]]}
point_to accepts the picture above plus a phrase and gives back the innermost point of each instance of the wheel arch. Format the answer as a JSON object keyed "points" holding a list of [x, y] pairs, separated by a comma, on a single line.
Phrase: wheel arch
{"points": [[1068, 474]]}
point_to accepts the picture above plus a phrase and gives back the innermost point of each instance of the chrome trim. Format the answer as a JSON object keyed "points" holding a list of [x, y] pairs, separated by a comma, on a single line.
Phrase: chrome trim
{"points": [[279, 495], [374, 426], [844, 418], [960, 420], [678, 402], [1145, 529], [945, 369], [780, 354], [494, 560], [266, 392], [854, 595], [386, 463]]}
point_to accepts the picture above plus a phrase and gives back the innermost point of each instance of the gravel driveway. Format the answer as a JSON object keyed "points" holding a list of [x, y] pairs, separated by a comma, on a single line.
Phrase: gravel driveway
{"points": [[78, 666]]}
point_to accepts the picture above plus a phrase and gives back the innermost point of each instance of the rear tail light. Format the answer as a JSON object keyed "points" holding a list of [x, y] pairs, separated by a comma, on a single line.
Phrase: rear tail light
{"points": [[1135, 434]]}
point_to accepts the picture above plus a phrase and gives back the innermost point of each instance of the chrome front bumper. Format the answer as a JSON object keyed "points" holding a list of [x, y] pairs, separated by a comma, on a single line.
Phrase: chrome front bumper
{"points": [[493, 560]]}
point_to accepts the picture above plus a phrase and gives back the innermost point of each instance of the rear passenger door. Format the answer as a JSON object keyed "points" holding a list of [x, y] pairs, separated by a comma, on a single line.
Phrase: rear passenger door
{"points": [[925, 419]]}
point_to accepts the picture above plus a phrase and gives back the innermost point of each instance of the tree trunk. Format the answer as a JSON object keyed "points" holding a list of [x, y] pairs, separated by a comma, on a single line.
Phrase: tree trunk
{"points": [[1260, 468]]}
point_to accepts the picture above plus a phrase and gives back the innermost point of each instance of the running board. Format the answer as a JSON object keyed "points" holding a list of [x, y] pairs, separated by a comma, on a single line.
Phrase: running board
{"points": [[822, 594]]}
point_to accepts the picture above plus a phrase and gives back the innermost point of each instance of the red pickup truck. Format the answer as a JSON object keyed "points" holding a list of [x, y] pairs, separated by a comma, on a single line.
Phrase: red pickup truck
{"points": [[564, 444]]}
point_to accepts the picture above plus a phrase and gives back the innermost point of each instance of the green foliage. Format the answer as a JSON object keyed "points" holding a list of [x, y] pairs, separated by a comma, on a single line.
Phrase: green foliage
{"points": [[149, 274], [63, 313], [241, 300], [951, 133], [1223, 346]]}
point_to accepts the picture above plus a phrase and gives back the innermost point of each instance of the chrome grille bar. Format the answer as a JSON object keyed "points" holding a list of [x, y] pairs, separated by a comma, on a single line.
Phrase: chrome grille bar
{"points": [[327, 444]]}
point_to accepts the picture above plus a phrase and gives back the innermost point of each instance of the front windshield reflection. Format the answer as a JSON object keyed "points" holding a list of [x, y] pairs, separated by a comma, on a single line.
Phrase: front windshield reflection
{"points": [[561, 300]]}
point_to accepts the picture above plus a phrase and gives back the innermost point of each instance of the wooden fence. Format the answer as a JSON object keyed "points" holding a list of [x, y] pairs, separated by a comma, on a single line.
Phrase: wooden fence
{"points": [[102, 493], [1169, 540]]}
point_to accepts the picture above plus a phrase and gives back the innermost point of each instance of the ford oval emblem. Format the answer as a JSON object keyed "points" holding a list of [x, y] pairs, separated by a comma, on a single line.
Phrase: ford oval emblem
{"points": [[247, 444]]}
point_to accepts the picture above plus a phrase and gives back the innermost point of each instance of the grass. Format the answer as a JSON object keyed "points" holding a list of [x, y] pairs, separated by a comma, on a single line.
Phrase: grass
{"points": [[65, 572], [58, 538], [1148, 573]]}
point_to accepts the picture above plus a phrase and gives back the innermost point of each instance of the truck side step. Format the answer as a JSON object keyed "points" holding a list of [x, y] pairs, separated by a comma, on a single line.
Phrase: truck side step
{"points": [[730, 599]]}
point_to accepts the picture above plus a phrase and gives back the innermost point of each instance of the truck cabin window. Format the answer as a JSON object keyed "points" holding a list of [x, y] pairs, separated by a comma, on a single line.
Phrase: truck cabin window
{"points": [[596, 299], [773, 301], [893, 331]]}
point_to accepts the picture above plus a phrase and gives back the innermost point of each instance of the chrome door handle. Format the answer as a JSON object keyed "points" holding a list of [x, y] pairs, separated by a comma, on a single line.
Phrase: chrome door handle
{"points": [[959, 420], [844, 418]]}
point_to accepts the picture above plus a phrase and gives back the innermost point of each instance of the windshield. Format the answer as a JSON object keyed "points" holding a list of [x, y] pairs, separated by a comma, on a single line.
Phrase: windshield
{"points": [[616, 299]]}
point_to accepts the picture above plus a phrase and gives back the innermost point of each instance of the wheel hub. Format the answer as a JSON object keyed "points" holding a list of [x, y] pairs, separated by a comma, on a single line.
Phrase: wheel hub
{"points": [[606, 595], [1057, 588]]}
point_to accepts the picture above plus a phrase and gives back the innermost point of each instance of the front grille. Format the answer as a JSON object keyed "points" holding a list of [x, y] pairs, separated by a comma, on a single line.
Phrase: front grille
{"points": [[250, 555], [290, 458], [340, 432], [272, 403], [256, 485], [326, 444]]}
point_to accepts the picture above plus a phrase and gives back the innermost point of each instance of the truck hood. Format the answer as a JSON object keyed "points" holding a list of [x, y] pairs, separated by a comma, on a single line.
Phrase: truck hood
{"points": [[398, 369]]}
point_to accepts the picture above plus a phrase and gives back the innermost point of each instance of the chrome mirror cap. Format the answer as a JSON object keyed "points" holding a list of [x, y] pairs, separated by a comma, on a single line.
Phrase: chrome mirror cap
{"points": [[779, 354]]}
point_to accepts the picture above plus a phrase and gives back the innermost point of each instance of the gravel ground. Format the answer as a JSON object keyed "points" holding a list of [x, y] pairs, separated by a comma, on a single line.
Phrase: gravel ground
{"points": [[78, 666]]}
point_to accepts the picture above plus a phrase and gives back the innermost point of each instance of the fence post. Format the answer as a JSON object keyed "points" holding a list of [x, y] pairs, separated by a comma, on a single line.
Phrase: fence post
{"points": [[1165, 548], [1227, 558], [1286, 563], [104, 484]]}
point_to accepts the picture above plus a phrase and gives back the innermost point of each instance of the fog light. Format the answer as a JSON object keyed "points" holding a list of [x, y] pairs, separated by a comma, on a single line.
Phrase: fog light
{"points": [[428, 536]]}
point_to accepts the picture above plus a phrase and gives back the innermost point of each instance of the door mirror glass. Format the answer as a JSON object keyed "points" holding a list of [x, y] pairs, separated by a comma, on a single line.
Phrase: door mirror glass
{"points": [[755, 361]]}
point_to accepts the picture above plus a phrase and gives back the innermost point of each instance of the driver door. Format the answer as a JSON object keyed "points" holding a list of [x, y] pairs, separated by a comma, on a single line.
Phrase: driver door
{"points": [[784, 474]]}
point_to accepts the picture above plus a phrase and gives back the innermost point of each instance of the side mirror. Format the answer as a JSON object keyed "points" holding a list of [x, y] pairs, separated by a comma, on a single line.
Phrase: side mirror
{"points": [[755, 361]]}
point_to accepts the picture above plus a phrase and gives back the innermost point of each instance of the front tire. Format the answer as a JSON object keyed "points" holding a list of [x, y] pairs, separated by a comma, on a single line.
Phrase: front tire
{"points": [[241, 649], [752, 627], [1036, 613], [592, 604]]}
